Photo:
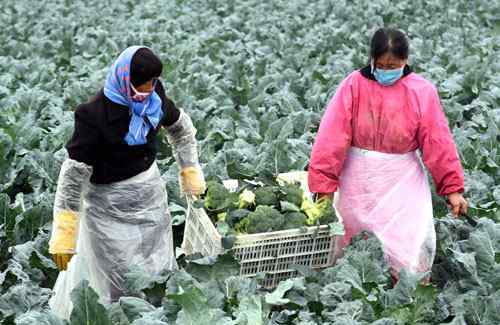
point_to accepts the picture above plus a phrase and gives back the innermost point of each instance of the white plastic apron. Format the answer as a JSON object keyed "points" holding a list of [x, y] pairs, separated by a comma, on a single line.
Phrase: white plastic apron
{"points": [[124, 224], [388, 195]]}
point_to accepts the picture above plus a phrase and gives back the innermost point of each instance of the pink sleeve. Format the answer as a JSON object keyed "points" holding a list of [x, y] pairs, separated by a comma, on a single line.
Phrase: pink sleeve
{"points": [[332, 142], [439, 153]]}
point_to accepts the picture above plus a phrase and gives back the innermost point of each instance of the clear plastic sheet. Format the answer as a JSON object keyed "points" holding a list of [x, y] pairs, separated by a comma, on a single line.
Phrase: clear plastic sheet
{"points": [[182, 137], [73, 179], [388, 195], [123, 224]]}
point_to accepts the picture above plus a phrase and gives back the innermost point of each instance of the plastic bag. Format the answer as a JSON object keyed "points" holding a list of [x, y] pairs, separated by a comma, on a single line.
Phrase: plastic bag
{"points": [[388, 195], [123, 224]]}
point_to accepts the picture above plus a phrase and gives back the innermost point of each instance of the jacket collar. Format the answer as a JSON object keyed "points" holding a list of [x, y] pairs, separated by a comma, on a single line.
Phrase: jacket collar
{"points": [[113, 111]]}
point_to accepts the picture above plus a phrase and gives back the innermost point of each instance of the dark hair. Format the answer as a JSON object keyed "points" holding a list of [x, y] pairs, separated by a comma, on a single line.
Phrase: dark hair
{"points": [[145, 66], [389, 40]]}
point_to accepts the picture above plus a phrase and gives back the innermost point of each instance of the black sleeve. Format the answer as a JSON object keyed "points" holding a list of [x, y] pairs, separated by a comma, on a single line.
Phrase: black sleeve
{"points": [[82, 145], [170, 112]]}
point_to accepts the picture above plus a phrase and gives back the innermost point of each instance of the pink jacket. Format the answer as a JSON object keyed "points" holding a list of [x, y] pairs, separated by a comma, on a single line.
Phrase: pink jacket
{"points": [[396, 119]]}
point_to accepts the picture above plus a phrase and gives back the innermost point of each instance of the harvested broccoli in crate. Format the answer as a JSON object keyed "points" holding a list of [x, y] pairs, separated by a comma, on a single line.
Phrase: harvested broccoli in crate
{"points": [[263, 219], [256, 208]]}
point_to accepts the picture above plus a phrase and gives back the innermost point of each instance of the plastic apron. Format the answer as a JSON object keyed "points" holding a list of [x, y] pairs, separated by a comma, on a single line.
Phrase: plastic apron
{"points": [[123, 224], [388, 195]]}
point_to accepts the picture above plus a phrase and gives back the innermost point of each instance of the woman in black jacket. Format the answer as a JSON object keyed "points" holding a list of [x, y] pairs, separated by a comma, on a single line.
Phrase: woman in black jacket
{"points": [[111, 206]]}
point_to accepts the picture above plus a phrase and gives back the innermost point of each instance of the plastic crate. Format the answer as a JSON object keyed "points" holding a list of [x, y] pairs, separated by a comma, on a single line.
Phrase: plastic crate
{"points": [[273, 252]]}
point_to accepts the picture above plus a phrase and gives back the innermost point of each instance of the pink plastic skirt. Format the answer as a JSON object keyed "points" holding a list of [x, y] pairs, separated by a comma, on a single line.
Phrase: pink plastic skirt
{"points": [[388, 195]]}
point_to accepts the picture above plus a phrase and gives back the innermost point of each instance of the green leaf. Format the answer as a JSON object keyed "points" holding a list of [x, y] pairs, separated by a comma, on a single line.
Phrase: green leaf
{"points": [[403, 292], [149, 320], [289, 207], [385, 321], [277, 296], [350, 312], [39, 318], [238, 287], [22, 298], [195, 308], [86, 307], [334, 293], [250, 311], [117, 315], [484, 250], [139, 282], [213, 268], [467, 260], [134, 307]]}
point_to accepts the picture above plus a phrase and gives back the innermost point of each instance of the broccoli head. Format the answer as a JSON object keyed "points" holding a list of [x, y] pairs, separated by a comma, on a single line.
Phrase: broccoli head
{"points": [[242, 226], [266, 196], [235, 216], [246, 199], [295, 220], [292, 193], [263, 219], [219, 198]]}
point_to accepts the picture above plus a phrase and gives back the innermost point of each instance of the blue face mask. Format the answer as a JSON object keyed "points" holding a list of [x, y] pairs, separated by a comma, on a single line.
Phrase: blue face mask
{"points": [[388, 77]]}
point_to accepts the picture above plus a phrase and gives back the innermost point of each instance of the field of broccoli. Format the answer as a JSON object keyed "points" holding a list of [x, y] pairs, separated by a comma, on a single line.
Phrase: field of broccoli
{"points": [[255, 77]]}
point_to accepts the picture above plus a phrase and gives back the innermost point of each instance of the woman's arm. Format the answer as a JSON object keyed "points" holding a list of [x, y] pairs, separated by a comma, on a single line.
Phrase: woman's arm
{"points": [[332, 142], [82, 145], [181, 135], [73, 178], [171, 112], [439, 152]]}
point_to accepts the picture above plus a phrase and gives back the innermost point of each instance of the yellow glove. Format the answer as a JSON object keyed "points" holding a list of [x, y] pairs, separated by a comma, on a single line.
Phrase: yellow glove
{"points": [[62, 243], [192, 181], [62, 260]]}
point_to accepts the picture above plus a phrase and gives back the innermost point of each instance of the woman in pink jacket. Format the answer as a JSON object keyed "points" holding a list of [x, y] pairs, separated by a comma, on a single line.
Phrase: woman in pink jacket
{"points": [[366, 151]]}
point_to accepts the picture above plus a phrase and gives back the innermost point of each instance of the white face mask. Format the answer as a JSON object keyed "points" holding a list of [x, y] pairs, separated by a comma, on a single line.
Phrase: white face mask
{"points": [[138, 96]]}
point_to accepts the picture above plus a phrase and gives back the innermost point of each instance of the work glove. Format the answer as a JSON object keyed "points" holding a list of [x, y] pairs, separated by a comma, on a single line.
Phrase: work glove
{"points": [[72, 181], [62, 244], [192, 181]]}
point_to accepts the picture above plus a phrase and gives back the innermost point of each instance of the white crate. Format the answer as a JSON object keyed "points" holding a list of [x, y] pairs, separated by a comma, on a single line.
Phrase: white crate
{"points": [[273, 252]]}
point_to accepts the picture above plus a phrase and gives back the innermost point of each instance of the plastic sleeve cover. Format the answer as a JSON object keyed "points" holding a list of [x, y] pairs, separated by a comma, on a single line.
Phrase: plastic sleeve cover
{"points": [[181, 136], [73, 179]]}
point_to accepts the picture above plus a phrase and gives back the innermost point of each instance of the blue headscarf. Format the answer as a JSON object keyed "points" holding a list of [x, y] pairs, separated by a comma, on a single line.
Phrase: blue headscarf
{"points": [[117, 89]]}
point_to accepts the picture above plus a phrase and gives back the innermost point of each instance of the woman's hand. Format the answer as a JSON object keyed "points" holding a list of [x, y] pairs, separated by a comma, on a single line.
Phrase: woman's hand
{"points": [[62, 260], [325, 195], [192, 181], [457, 204], [62, 244]]}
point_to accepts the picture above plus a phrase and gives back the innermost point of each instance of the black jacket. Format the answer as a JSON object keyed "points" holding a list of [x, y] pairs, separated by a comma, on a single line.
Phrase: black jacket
{"points": [[98, 138]]}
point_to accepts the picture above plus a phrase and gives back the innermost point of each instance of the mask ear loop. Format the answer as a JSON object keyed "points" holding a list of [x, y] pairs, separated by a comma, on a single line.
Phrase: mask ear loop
{"points": [[372, 64], [138, 92]]}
